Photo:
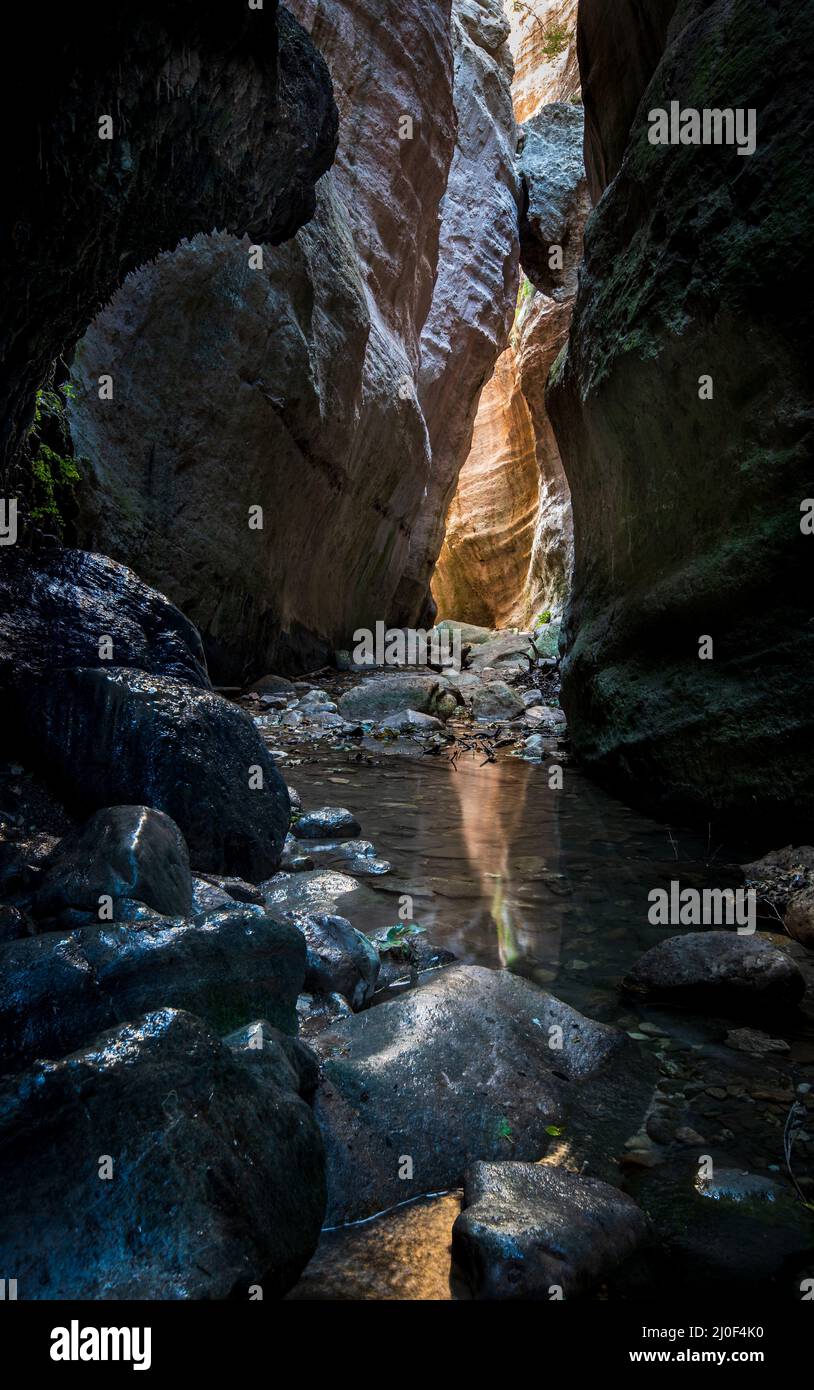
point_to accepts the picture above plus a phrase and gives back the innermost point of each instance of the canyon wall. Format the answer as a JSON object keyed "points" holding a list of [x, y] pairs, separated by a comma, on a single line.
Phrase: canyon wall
{"points": [[683, 414], [306, 387], [507, 549], [179, 121]]}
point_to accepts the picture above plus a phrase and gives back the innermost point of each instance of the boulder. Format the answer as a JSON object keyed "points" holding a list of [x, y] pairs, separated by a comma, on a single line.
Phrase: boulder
{"points": [[717, 971], [799, 918], [411, 721], [295, 1064], [380, 696], [57, 990], [340, 959], [496, 700], [121, 852], [327, 823], [120, 735], [58, 608], [530, 1231], [159, 1163], [556, 202], [272, 685], [464, 1067]]}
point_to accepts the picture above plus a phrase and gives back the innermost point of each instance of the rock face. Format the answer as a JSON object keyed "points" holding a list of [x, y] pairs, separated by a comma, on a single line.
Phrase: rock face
{"points": [[159, 1116], [301, 377], [121, 852], [543, 41], [686, 525], [233, 966], [527, 1229], [216, 120], [718, 970], [620, 43], [507, 550], [462, 1068], [108, 736], [473, 301]]}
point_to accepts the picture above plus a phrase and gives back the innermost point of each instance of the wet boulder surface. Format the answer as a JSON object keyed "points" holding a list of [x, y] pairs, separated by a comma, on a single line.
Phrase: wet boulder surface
{"points": [[130, 852], [159, 1163], [74, 608], [530, 1231], [720, 971], [234, 965], [461, 1069], [116, 735]]}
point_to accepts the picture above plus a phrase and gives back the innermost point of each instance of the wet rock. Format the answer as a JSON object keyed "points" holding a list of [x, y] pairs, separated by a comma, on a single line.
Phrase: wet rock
{"points": [[130, 852], [548, 716], [327, 823], [56, 607], [356, 857], [757, 1044], [216, 1136], [124, 736], [799, 918], [340, 960], [781, 873], [717, 970], [295, 1064], [272, 685], [207, 897], [316, 1012], [382, 695], [731, 1232], [531, 698], [312, 892], [459, 1069], [57, 990], [527, 1229], [237, 888], [411, 721], [14, 923], [294, 858], [496, 701], [399, 968]]}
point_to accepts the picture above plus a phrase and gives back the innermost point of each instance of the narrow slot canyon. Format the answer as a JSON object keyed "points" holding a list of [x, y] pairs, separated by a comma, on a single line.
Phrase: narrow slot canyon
{"points": [[407, 655]]}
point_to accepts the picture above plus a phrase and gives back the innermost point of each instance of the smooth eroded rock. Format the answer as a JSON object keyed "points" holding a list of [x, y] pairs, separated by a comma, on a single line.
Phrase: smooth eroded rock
{"points": [[121, 852], [717, 970], [527, 1229], [327, 823], [459, 1069], [159, 1163], [120, 735], [57, 990]]}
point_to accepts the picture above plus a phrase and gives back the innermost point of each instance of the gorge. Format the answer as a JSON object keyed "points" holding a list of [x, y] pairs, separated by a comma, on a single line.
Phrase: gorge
{"points": [[323, 324]]}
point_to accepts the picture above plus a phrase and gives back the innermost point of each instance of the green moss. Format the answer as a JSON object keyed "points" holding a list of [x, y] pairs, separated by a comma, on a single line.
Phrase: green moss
{"points": [[54, 470]]}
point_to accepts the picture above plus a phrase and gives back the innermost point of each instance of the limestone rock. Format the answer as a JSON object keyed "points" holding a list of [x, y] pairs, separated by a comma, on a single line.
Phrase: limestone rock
{"points": [[496, 700], [219, 120], [300, 375], [378, 697], [544, 47], [527, 1228], [473, 300], [216, 1136], [684, 525]]}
